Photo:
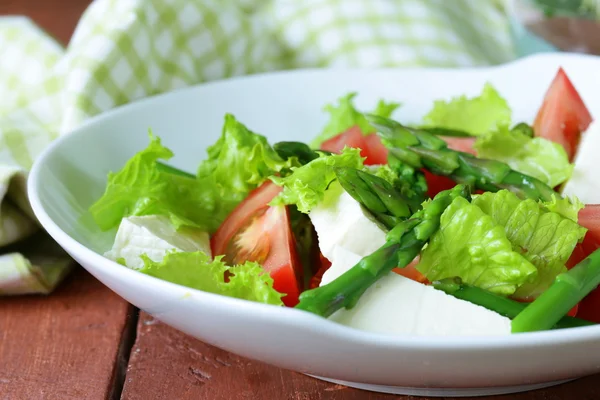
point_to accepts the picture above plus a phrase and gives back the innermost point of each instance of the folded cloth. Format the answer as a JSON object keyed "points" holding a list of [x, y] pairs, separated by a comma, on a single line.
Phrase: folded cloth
{"points": [[124, 50]]}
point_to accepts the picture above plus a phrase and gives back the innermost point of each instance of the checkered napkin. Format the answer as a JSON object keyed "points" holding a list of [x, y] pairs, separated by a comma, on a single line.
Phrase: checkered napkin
{"points": [[124, 50]]}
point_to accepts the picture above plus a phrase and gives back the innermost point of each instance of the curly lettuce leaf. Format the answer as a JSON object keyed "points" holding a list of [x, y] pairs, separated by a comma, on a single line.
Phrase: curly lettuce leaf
{"points": [[344, 115], [476, 115], [196, 270], [537, 157], [141, 188], [240, 161], [568, 207], [306, 185], [544, 238], [472, 246], [237, 163]]}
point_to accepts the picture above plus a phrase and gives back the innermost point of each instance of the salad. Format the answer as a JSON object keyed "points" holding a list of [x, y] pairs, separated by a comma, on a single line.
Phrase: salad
{"points": [[464, 223]]}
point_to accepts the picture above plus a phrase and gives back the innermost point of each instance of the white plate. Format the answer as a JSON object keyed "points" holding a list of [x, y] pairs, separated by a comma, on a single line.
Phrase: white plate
{"points": [[71, 174]]}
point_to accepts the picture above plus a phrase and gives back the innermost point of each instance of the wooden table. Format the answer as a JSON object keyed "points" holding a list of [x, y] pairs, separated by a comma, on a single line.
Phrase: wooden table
{"points": [[84, 342]]}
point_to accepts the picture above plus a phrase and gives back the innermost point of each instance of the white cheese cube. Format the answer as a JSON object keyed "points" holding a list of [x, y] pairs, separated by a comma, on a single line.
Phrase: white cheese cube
{"points": [[154, 236], [400, 306], [339, 220]]}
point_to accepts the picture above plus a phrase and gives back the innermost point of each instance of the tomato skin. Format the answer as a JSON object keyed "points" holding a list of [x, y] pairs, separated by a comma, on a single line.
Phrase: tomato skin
{"points": [[437, 183], [589, 217], [324, 265], [464, 144], [255, 231], [411, 272], [563, 115], [370, 145], [353, 137], [377, 153], [258, 198], [589, 308]]}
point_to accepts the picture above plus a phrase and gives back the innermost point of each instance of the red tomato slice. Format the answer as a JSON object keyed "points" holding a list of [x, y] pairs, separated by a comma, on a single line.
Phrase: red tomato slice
{"points": [[563, 116], [353, 137], [437, 183], [411, 272], [589, 308], [255, 231], [376, 152], [589, 217], [370, 145], [325, 264], [464, 144]]}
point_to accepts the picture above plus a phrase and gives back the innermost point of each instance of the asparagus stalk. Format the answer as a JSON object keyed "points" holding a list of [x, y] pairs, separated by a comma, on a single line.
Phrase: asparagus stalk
{"points": [[434, 130], [172, 170], [404, 242], [421, 149], [568, 289], [502, 305], [376, 194]]}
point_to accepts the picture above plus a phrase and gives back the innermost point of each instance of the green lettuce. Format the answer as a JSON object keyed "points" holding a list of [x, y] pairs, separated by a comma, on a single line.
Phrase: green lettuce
{"points": [[476, 115], [568, 207], [196, 270], [237, 163], [472, 246], [344, 115], [141, 188], [537, 157], [543, 237], [240, 160], [306, 185]]}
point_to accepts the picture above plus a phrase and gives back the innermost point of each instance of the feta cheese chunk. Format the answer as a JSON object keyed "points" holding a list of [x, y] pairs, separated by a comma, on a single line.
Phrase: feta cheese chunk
{"points": [[400, 306], [339, 220], [154, 236], [584, 182]]}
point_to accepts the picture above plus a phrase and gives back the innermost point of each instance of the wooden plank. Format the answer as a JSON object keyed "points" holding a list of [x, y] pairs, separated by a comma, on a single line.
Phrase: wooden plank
{"points": [[166, 363], [65, 345]]}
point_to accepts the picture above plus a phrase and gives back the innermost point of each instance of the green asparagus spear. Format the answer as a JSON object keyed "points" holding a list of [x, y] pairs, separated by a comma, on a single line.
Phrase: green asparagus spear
{"points": [[446, 132], [502, 305], [172, 170], [421, 149], [568, 289], [377, 195], [404, 242]]}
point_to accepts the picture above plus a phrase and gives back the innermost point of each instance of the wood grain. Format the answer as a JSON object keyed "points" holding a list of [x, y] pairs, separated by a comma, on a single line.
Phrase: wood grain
{"points": [[166, 363], [66, 345]]}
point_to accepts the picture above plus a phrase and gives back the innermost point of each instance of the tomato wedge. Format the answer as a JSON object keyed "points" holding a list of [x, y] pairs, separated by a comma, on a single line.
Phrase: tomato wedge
{"points": [[464, 144], [376, 152], [411, 272], [370, 145], [563, 115], [255, 231], [589, 217], [324, 265]]}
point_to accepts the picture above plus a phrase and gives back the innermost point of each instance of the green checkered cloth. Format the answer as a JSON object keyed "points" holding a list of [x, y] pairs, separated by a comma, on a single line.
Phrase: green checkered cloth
{"points": [[122, 51]]}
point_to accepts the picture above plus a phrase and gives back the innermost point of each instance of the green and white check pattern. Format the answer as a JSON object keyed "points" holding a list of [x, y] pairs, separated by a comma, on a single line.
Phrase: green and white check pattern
{"points": [[124, 50]]}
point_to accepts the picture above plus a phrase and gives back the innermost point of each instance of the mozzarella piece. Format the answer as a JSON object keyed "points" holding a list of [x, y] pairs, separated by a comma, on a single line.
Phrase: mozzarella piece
{"points": [[154, 236], [584, 182], [400, 306], [339, 220]]}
